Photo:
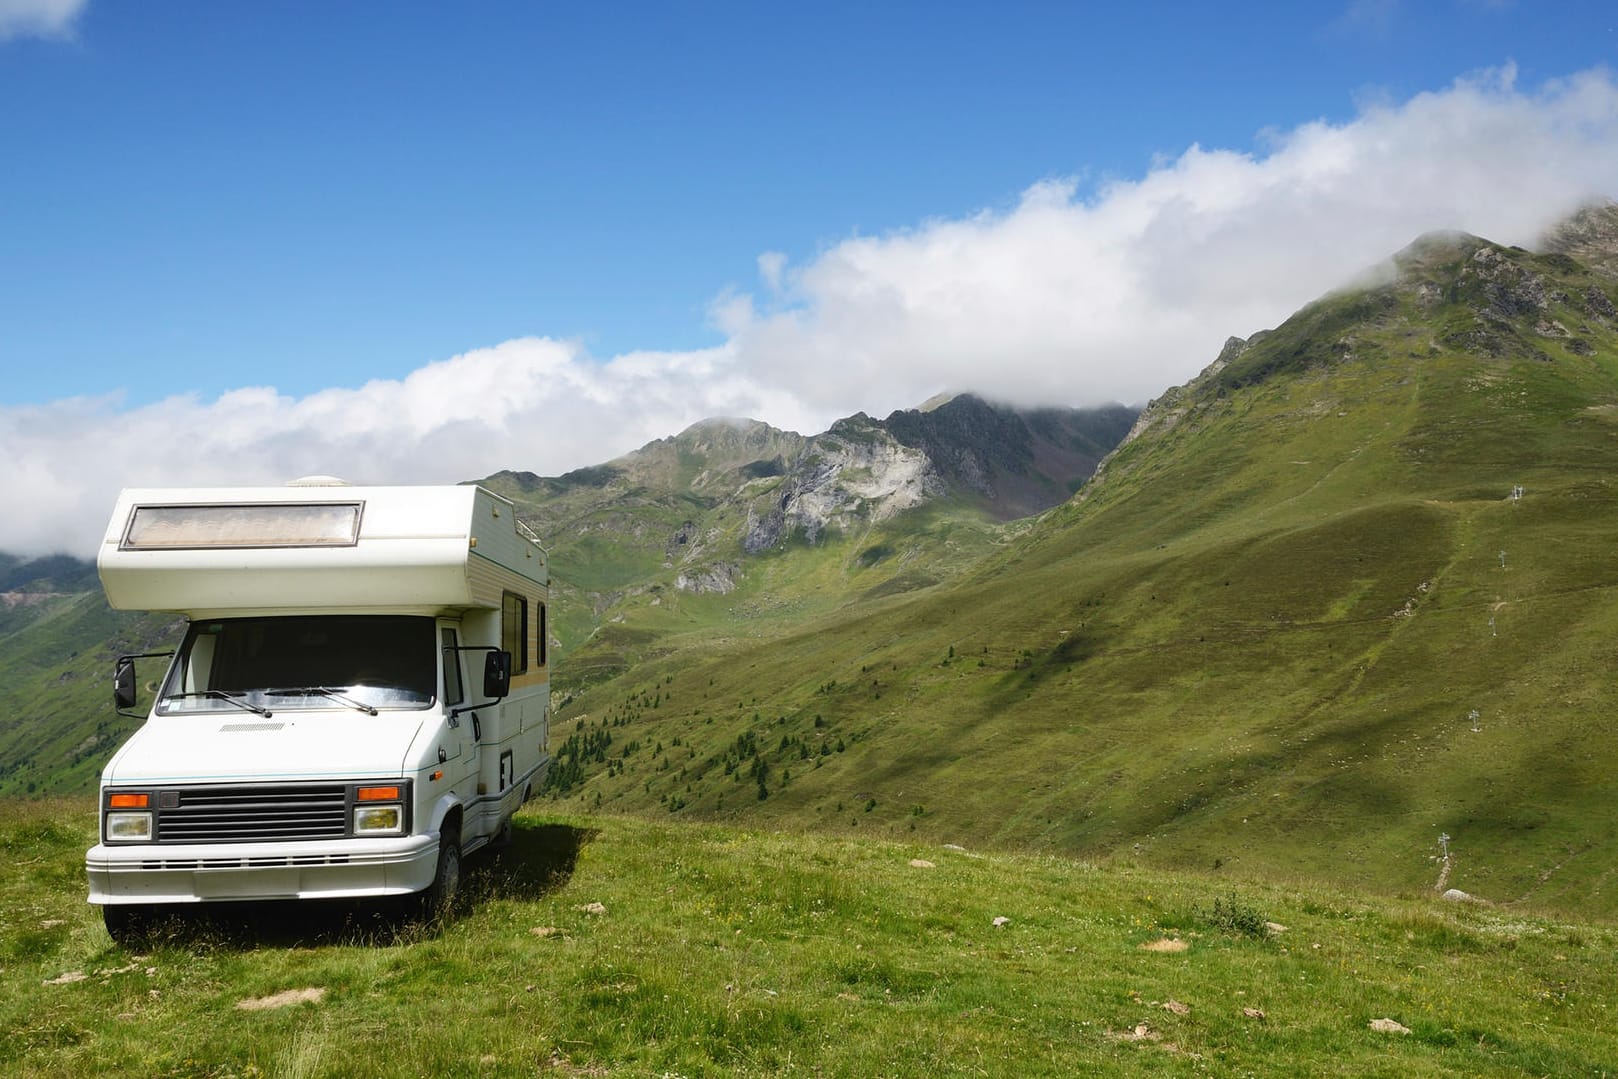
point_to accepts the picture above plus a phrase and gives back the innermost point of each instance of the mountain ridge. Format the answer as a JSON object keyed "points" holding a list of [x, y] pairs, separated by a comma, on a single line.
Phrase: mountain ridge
{"points": [[691, 513]]}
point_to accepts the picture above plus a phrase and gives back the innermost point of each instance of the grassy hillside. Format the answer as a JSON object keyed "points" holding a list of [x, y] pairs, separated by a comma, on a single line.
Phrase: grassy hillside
{"points": [[57, 724], [606, 946], [1301, 626], [51, 574]]}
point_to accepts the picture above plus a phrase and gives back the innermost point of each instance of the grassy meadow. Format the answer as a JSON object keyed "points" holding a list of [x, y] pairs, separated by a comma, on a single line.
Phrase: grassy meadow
{"points": [[607, 946]]}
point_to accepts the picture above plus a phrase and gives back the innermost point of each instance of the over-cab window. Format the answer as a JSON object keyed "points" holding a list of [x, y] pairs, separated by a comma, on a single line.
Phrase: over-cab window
{"points": [[514, 630], [272, 524]]}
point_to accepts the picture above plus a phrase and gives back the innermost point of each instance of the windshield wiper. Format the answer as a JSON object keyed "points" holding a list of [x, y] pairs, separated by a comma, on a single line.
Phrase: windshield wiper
{"points": [[324, 691], [221, 695]]}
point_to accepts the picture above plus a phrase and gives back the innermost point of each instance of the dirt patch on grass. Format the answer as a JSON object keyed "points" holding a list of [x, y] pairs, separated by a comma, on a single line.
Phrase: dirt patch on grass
{"points": [[283, 999]]}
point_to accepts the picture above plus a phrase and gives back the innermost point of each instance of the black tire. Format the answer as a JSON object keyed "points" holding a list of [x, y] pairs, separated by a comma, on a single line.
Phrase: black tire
{"points": [[502, 838], [439, 896], [130, 925]]}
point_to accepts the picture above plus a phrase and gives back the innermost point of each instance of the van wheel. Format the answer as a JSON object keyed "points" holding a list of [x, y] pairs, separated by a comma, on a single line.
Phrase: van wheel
{"points": [[130, 925], [440, 894], [502, 838]]}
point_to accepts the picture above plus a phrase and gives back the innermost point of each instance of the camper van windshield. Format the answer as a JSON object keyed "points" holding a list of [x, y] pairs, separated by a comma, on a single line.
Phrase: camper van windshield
{"points": [[363, 662]]}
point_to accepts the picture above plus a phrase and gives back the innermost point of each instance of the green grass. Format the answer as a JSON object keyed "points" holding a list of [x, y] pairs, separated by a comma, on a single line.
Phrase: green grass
{"points": [[743, 952]]}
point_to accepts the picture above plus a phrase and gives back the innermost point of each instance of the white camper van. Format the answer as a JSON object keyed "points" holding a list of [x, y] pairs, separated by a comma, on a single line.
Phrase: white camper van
{"points": [[361, 697]]}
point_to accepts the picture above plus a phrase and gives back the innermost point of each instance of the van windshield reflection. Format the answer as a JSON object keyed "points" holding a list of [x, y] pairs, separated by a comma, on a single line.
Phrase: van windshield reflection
{"points": [[358, 662]]}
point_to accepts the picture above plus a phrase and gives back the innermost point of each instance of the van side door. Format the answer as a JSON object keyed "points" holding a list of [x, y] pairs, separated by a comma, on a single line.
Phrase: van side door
{"points": [[453, 690]]}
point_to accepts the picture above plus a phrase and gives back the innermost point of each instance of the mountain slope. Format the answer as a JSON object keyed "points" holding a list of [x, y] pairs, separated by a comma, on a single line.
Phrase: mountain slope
{"points": [[57, 724], [735, 515], [1348, 591]]}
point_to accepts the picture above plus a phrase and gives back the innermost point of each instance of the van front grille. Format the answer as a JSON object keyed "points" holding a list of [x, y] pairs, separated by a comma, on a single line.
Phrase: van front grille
{"points": [[253, 814]]}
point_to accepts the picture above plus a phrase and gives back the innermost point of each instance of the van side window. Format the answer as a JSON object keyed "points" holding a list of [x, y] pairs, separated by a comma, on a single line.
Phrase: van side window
{"points": [[514, 630], [542, 638], [454, 691]]}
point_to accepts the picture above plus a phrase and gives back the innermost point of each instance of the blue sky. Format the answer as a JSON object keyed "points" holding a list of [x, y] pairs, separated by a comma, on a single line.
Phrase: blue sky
{"points": [[226, 213]]}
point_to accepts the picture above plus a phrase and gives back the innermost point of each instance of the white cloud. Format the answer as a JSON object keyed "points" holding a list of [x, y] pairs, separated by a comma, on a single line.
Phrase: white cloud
{"points": [[38, 18], [531, 403], [770, 265], [1063, 298], [1132, 290], [1372, 17]]}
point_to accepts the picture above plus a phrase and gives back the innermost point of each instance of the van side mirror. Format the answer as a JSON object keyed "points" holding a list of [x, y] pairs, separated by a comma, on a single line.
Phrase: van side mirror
{"points": [[496, 674], [123, 684]]}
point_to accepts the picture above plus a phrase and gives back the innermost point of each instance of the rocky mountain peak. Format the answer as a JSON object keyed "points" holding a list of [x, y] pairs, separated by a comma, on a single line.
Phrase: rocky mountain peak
{"points": [[1019, 461], [725, 431], [1432, 250], [692, 509], [1589, 235], [1472, 296]]}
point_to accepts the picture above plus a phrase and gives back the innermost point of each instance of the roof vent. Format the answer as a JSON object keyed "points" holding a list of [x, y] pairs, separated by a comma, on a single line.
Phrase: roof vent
{"points": [[317, 481]]}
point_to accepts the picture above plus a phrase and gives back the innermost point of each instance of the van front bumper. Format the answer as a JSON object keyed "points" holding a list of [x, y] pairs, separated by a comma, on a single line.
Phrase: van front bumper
{"points": [[195, 873]]}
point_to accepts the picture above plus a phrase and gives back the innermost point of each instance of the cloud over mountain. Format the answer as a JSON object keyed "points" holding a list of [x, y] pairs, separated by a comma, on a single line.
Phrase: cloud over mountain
{"points": [[1070, 296], [1131, 289]]}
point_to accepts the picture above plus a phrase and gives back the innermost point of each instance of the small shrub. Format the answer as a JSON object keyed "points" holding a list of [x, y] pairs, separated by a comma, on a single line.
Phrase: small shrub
{"points": [[1230, 915]]}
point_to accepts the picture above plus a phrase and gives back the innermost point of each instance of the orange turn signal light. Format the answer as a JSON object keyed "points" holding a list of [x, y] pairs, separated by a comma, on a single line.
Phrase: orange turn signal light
{"points": [[377, 794], [129, 801]]}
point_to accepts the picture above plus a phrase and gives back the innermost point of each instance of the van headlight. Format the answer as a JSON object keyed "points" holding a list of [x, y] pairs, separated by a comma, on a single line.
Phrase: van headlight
{"points": [[380, 808], [378, 820], [129, 827], [128, 816]]}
